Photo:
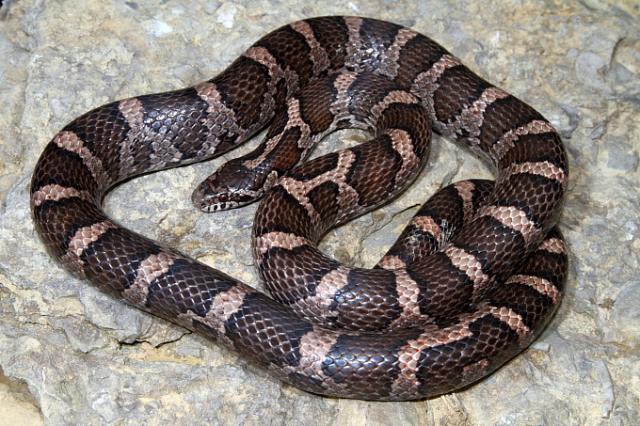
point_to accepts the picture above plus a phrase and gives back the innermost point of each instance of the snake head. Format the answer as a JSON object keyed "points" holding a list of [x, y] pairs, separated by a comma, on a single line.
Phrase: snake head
{"points": [[231, 186]]}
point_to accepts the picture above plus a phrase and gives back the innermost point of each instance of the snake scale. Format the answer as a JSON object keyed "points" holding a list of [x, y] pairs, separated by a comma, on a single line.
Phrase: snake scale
{"points": [[471, 281]]}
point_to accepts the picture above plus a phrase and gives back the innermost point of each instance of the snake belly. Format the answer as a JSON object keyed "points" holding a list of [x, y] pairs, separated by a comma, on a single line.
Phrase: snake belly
{"points": [[471, 282]]}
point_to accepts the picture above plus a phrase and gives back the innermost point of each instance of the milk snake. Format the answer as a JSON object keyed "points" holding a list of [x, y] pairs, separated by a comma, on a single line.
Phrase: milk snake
{"points": [[471, 281]]}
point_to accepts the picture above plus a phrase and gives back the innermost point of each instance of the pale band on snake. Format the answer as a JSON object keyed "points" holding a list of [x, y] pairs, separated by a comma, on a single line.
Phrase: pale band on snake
{"points": [[471, 281]]}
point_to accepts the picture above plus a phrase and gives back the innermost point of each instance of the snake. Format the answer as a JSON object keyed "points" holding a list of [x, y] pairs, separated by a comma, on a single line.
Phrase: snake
{"points": [[470, 283]]}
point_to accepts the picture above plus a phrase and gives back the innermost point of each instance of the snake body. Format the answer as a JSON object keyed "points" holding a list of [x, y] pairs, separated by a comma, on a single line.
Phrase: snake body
{"points": [[471, 281]]}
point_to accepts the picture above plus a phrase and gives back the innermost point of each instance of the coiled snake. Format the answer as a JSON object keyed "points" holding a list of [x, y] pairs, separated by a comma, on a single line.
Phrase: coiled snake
{"points": [[471, 281]]}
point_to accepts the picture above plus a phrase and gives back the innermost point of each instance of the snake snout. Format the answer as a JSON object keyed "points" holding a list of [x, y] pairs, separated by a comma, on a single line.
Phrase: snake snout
{"points": [[229, 187], [209, 198]]}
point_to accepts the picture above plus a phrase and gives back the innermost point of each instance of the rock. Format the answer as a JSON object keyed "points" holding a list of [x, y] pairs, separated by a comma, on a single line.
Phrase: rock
{"points": [[72, 355]]}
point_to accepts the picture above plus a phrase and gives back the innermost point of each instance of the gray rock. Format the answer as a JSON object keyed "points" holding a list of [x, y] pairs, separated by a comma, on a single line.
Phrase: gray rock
{"points": [[72, 355], [622, 158]]}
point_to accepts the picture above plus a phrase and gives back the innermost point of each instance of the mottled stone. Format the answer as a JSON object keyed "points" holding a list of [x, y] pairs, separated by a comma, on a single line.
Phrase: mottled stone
{"points": [[72, 355]]}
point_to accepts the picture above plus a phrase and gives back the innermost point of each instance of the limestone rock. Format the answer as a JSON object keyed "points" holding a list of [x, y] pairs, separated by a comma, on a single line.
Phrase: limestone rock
{"points": [[71, 355]]}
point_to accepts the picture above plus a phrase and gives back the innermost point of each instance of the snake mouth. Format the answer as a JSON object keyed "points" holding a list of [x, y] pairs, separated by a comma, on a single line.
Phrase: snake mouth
{"points": [[211, 208], [230, 188], [209, 203]]}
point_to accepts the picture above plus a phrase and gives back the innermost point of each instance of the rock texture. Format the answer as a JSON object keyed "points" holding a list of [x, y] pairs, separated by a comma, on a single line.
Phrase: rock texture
{"points": [[71, 355]]}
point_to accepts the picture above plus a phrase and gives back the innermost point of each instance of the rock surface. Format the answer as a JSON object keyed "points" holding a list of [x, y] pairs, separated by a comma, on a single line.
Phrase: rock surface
{"points": [[71, 355]]}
